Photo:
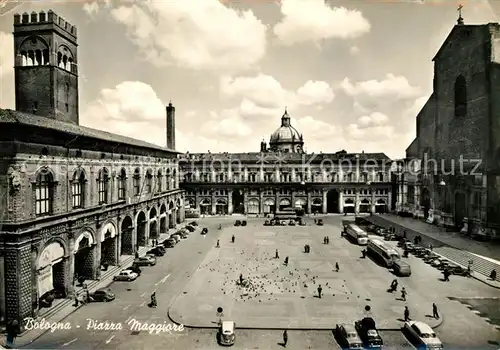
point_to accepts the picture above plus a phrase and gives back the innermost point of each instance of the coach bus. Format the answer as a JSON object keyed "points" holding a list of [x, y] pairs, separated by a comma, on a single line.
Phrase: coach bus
{"points": [[384, 252], [357, 234]]}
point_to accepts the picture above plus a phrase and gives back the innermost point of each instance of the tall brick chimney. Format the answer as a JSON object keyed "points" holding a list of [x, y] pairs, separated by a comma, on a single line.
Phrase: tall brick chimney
{"points": [[171, 126]]}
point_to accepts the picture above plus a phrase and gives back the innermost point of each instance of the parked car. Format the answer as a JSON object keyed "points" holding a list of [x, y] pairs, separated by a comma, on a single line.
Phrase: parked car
{"points": [[457, 270], [419, 251], [226, 334], [193, 223], [267, 223], [183, 234], [244, 223], [157, 251], [390, 237], [204, 231], [423, 334], [169, 243], [408, 246], [135, 268], [429, 258], [381, 231], [368, 333], [347, 337], [190, 228], [402, 242], [438, 262], [146, 260], [302, 222], [291, 223], [371, 228], [126, 275], [237, 223], [319, 222], [103, 294], [176, 237]]}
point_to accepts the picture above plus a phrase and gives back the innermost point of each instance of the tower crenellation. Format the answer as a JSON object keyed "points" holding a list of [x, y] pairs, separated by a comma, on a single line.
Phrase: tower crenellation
{"points": [[42, 20]]}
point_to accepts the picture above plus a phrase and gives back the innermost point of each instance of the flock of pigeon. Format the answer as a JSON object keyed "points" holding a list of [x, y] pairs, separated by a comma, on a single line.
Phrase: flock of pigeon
{"points": [[265, 277]]}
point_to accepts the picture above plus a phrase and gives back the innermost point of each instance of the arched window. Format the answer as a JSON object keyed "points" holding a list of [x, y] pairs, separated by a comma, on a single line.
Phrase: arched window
{"points": [[78, 189], [103, 185], [460, 96], [167, 179], [348, 177], [149, 181], [137, 182], [174, 179], [159, 178], [44, 193], [122, 184]]}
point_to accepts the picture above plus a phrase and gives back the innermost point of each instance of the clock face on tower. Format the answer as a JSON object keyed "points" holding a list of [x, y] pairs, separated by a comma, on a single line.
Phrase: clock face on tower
{"points": [[298, 148]]}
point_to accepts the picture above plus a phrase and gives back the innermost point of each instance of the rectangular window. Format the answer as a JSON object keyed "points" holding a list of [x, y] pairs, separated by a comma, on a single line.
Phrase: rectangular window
{"points": [[121, 188], [137, 185], [102, 188], [43, 199]]}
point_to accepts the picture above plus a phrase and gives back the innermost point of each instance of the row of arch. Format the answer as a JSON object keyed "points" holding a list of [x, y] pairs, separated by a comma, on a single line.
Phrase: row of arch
{"points": [[56, 265], [283, 177]]}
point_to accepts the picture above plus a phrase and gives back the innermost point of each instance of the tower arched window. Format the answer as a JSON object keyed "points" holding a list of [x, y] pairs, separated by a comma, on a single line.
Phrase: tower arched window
{"points": [[78, 189], [103, 185], [137, 182], [122, 184], [44, 193], [460, 96]]}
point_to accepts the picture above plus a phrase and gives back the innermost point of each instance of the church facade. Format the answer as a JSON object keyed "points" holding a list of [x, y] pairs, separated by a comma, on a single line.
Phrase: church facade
{"points": [[451, 174], [281, 175], [72, 199]]}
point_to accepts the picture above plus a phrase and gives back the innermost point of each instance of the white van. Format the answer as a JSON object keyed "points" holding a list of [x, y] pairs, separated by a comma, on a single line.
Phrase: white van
{"points": [[226, 333]]}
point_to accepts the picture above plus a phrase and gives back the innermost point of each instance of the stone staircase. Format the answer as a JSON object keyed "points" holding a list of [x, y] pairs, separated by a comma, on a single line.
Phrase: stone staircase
{"points": [[456, 255]]}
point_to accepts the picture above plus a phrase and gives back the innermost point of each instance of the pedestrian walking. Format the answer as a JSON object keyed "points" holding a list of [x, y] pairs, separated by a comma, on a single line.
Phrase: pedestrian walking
{"points": [[404, 234], [241, 278], [232, 239], [324, 240], [435, 313], [407, 314], [218, 244], [286, 261], [77, 302], [319, 291], [137, 255], [493, 274], [153, 300], [277, 256], [327, 240], [285, 338], [337, 267], [308, 247], [431, 247], [403, 294]]}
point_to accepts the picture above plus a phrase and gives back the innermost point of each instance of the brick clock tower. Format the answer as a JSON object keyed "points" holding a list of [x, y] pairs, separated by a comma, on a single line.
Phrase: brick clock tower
{"points": [[46, 70]]}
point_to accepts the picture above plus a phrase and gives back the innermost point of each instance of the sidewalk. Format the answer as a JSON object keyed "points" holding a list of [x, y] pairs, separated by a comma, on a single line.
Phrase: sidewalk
{"points": [[452, 245], [66, 307]]}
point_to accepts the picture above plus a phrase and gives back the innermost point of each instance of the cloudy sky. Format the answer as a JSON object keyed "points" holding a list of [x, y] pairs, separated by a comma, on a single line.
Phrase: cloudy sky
{"points": [[353, 74]]}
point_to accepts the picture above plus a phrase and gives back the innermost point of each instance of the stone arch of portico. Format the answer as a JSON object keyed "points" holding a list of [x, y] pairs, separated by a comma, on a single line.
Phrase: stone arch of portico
{"points": [[127, 236], [108, 238], [52, 268], [153, 223], [84, 254], [172, 212], [180, 210], [141, 224], [163, 219]]}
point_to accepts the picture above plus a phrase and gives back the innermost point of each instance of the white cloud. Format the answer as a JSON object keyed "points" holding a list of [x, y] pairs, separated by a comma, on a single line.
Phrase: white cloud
{"points": [[91, 8], [417, 106], [317, 129], [264, 95], [374, 119], [6, 54], [133, 109], [197, 34], [313, 20], [315, 92], [353, 50], [394, 86]]}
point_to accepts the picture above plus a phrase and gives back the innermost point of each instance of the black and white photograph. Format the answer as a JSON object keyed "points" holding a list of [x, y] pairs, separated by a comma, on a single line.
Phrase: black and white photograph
{"points": [[252, 174]]}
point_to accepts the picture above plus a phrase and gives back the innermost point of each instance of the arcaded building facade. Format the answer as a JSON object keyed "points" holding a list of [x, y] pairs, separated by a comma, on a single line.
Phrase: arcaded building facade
{"points": [[71, 198], [451, 176], [282, 175]]}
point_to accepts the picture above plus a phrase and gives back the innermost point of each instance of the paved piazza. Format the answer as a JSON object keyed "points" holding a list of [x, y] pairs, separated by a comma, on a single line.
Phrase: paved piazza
{"points": [[279, 296], [197, 281]]}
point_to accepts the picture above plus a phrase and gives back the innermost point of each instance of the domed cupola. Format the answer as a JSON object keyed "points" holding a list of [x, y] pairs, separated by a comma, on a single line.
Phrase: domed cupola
{"points": [[286, 138]]}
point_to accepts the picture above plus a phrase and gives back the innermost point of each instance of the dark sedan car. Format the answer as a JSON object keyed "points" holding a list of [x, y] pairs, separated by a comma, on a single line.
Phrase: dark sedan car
{"points": [[145, 261], [190, 228], [169, 243], [157, 251], [204, 231], [319, 222], [193, 223], [102, 295]]}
